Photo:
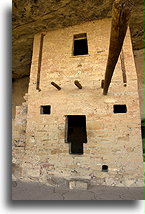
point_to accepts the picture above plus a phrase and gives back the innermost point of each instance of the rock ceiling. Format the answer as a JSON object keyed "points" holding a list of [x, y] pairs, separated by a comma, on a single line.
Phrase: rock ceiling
{"points": [[32, 16]]}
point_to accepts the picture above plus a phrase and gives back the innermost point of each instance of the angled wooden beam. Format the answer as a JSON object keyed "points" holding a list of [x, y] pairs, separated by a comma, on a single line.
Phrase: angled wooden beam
{"points": [[39, 62], [76, 82], [123, 68], [56, 86], [120, 17]]}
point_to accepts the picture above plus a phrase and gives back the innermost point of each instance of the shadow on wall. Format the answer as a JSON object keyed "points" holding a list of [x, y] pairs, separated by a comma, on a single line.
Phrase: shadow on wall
{"points": [[19, 88], [143, 137]]}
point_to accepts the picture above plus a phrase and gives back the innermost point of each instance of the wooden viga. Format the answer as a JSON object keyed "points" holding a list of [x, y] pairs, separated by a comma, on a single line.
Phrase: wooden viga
{"points": [[120, 18]]}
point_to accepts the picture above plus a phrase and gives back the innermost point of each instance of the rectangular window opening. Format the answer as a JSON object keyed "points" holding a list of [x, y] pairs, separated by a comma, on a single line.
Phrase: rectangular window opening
{"points": [[104, 168], [119, 109], [76, 133], [45, 109], [80, 46]]}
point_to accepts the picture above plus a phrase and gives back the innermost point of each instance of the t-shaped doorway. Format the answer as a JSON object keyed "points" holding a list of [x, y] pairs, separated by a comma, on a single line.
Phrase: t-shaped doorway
{"points": [[76, 133]]}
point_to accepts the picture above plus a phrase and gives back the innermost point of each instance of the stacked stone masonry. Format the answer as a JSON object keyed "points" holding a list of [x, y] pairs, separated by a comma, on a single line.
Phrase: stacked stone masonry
{"points": [[112, 139]]}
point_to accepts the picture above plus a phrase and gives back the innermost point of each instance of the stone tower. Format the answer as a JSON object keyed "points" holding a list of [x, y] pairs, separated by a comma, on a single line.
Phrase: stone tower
{"points": [[73, 132]]}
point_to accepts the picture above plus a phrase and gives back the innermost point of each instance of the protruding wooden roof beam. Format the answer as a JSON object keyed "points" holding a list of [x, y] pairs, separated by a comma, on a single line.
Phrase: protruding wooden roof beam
{"points": [[76, 82], [120, 17], [55, 85]]}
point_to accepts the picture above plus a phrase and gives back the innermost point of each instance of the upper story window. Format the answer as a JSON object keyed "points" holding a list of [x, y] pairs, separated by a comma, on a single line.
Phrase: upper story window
{"points": [[80, 46]]}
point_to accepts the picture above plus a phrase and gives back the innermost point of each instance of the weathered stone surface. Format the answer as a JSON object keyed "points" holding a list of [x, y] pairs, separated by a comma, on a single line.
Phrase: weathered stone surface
{"points": [[16, 170], [129, 183], [56, 181], [78, 185], [139, 62]]}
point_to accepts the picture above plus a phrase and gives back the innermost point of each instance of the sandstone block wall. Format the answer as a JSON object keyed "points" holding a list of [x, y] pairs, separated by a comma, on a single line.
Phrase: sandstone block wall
{"points": [[112, 139]]}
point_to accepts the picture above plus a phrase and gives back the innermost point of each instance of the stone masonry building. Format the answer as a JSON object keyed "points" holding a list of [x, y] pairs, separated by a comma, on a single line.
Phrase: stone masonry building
{"points": [[67, 129]]}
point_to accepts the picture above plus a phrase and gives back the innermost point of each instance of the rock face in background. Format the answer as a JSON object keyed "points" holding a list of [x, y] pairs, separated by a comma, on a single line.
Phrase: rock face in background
{"points": [[33, 16]]}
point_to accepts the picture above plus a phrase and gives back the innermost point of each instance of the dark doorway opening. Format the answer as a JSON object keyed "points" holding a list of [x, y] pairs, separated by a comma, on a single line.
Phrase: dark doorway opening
{"points": [[76, 133], [80, 44]]}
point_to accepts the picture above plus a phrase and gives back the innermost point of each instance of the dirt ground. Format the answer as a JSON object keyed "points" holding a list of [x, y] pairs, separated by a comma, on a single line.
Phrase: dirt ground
{"points": [[36, 191]]}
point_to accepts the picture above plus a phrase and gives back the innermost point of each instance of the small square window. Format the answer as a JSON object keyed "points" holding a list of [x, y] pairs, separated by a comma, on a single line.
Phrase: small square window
{"points": [[80, 46], [45, 109], [104, 168], [119, 109]]}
